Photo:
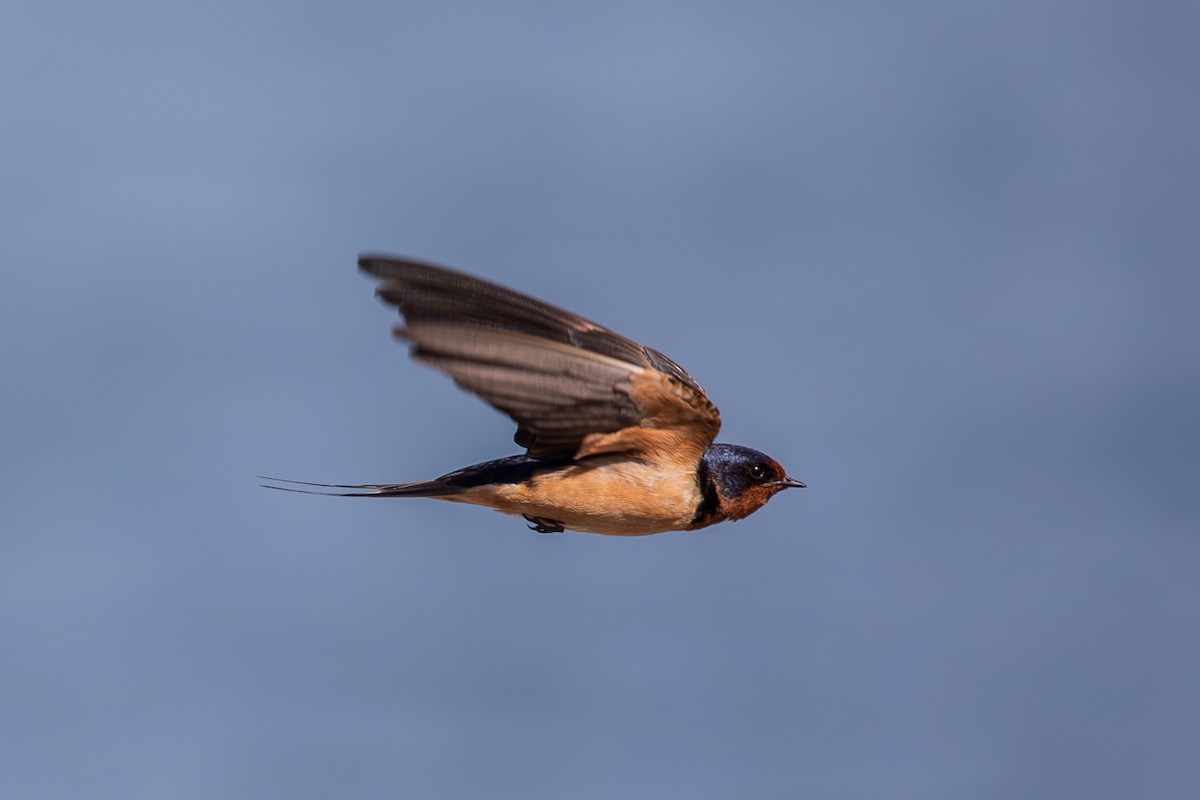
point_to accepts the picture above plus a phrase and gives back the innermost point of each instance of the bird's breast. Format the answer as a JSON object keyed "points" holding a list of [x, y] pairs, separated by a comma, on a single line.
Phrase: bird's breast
{"points": [[608, 495]]}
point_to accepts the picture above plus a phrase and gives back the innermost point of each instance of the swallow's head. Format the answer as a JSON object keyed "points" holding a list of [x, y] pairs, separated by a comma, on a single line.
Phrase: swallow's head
{"points": [[744, 479]]}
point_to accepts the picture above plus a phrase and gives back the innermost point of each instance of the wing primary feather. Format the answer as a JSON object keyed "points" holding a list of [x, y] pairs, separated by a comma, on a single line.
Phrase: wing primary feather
{"points": [[562, 378]]}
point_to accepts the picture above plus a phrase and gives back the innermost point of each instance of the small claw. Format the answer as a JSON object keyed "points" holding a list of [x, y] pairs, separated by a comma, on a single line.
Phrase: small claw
{"points": [[544, 525]]}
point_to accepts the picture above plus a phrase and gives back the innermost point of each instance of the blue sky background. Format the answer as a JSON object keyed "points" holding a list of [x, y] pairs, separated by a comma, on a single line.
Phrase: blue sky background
{"points": [[940, 259]]}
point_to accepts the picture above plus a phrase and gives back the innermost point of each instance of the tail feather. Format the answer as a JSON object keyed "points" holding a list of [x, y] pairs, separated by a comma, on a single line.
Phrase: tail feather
{"points": [[513, 469], [433, 488]]}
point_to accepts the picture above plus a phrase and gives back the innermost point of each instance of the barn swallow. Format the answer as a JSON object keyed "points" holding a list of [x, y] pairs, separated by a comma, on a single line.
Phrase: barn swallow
{"points": [[618, 438]]}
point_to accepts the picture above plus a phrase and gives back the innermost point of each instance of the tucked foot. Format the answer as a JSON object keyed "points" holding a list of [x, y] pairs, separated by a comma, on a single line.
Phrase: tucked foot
{"points": [[542, 525]]}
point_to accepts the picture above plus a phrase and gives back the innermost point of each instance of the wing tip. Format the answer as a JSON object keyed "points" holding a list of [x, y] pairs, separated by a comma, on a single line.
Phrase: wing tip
{"points": [[384, 266]]}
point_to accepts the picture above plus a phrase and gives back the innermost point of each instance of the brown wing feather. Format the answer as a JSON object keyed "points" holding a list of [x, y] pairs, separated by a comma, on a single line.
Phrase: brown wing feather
{"points": [[570, 385]]}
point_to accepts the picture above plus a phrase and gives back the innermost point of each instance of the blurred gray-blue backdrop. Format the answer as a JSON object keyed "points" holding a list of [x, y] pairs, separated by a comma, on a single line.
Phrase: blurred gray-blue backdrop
{"points": [[938, 258]]}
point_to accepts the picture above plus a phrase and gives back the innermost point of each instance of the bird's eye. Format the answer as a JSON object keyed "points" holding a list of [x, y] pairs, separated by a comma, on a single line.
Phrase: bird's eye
{"points": [[758, 471]]}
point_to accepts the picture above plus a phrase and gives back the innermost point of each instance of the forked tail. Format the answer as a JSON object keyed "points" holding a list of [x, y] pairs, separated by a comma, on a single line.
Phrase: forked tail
{"points": [[433, 488], [513, 469]]}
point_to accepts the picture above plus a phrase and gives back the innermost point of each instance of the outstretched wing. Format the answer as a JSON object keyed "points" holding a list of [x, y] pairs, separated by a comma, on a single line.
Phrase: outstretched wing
{"points": [[573, 387]]}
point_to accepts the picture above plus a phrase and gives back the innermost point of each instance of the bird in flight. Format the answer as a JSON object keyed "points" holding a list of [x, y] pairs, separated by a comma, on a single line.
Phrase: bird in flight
{"points": [[618, 438]]}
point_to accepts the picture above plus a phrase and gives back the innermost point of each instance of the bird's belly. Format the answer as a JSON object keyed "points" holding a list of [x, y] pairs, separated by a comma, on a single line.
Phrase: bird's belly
{"points": [[622, 498]]}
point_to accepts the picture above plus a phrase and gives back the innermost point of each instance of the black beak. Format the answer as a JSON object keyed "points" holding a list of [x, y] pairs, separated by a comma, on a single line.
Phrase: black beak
{"points": [[791, 483]]}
